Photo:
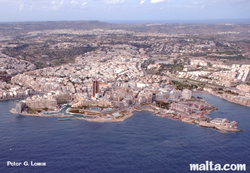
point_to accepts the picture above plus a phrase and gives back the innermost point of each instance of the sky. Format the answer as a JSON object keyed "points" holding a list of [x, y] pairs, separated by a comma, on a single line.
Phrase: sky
{"points": [[109, 10]]}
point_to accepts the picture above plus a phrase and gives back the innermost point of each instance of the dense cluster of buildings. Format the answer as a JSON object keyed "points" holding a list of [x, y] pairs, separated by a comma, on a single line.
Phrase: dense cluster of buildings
{"points": [[9, 92], [49, 101], [122, 68], [216, 73], [190, 106], [12, 66]]}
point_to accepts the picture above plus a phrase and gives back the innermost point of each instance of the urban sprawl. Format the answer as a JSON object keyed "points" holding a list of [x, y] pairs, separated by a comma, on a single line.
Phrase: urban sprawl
{"points": [[106, 74]]}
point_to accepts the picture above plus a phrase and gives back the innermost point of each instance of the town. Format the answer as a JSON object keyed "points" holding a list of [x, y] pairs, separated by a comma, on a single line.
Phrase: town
{"points": [[107, 73]]}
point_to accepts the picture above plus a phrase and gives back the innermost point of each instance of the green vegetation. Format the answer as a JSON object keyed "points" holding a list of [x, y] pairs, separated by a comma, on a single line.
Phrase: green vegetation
{"points": [[123, 112], [31, 111], [120, 116], [138, 45], [228, 53], [248, 83], [83, 107], [74, 110], [181, 86], [54, 57], [35, 110], [246, 41], [218, 44], [7, 80], [151, 62], [170, 67], [231, 92], [163, 105], [45, 109]]}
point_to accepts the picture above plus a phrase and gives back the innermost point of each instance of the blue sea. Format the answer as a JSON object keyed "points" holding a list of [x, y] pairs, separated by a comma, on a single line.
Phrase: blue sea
{"points": [[143, 143]]}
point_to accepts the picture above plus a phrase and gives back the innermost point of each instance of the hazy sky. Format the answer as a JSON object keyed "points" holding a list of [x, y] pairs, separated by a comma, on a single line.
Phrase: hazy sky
{"points": [[44, 10]]}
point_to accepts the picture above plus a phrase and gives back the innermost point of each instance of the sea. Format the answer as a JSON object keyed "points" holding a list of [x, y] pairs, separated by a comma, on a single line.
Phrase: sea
{"points": [[143, 143]]}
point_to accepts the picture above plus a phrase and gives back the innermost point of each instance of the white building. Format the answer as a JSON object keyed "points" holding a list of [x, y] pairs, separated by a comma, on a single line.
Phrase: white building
{"points": [[186, 94]]}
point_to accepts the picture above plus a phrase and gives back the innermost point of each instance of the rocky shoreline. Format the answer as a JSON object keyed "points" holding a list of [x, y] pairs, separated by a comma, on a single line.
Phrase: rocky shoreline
{"points": [[40, 115], [203, 121], [100, 120], [218, 127]]}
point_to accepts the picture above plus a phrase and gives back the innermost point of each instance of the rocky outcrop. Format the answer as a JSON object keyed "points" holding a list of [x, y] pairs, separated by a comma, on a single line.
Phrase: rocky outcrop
{"points": [[223, 125]]}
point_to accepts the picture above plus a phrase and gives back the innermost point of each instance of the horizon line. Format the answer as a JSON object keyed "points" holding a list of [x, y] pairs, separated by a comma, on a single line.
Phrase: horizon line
{"points": [[141, 21]]}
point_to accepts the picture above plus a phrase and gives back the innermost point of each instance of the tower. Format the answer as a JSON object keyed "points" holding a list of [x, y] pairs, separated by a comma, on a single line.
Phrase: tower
{"points": [[95, 88]]}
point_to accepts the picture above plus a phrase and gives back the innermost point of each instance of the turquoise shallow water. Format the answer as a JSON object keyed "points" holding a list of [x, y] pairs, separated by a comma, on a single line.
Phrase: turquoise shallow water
{"points": [[64, 112], [143, 143]]}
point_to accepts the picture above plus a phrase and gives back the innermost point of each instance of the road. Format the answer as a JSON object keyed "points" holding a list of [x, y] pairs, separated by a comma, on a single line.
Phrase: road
{"points": [[145, 74]]}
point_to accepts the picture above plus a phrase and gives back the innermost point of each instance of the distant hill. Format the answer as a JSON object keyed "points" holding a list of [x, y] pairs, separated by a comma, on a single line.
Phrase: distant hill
{"points": [[17, 27], [49, 25]]}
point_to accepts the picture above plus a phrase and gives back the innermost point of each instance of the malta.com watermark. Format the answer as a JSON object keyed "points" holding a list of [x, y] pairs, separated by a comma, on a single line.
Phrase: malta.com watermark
{"points": [[209, 166]]}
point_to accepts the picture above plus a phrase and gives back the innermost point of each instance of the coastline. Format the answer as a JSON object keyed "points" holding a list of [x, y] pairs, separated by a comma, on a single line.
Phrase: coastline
{"points": [[221, 96], [100, 120], [40, 115], [191, 119]]}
